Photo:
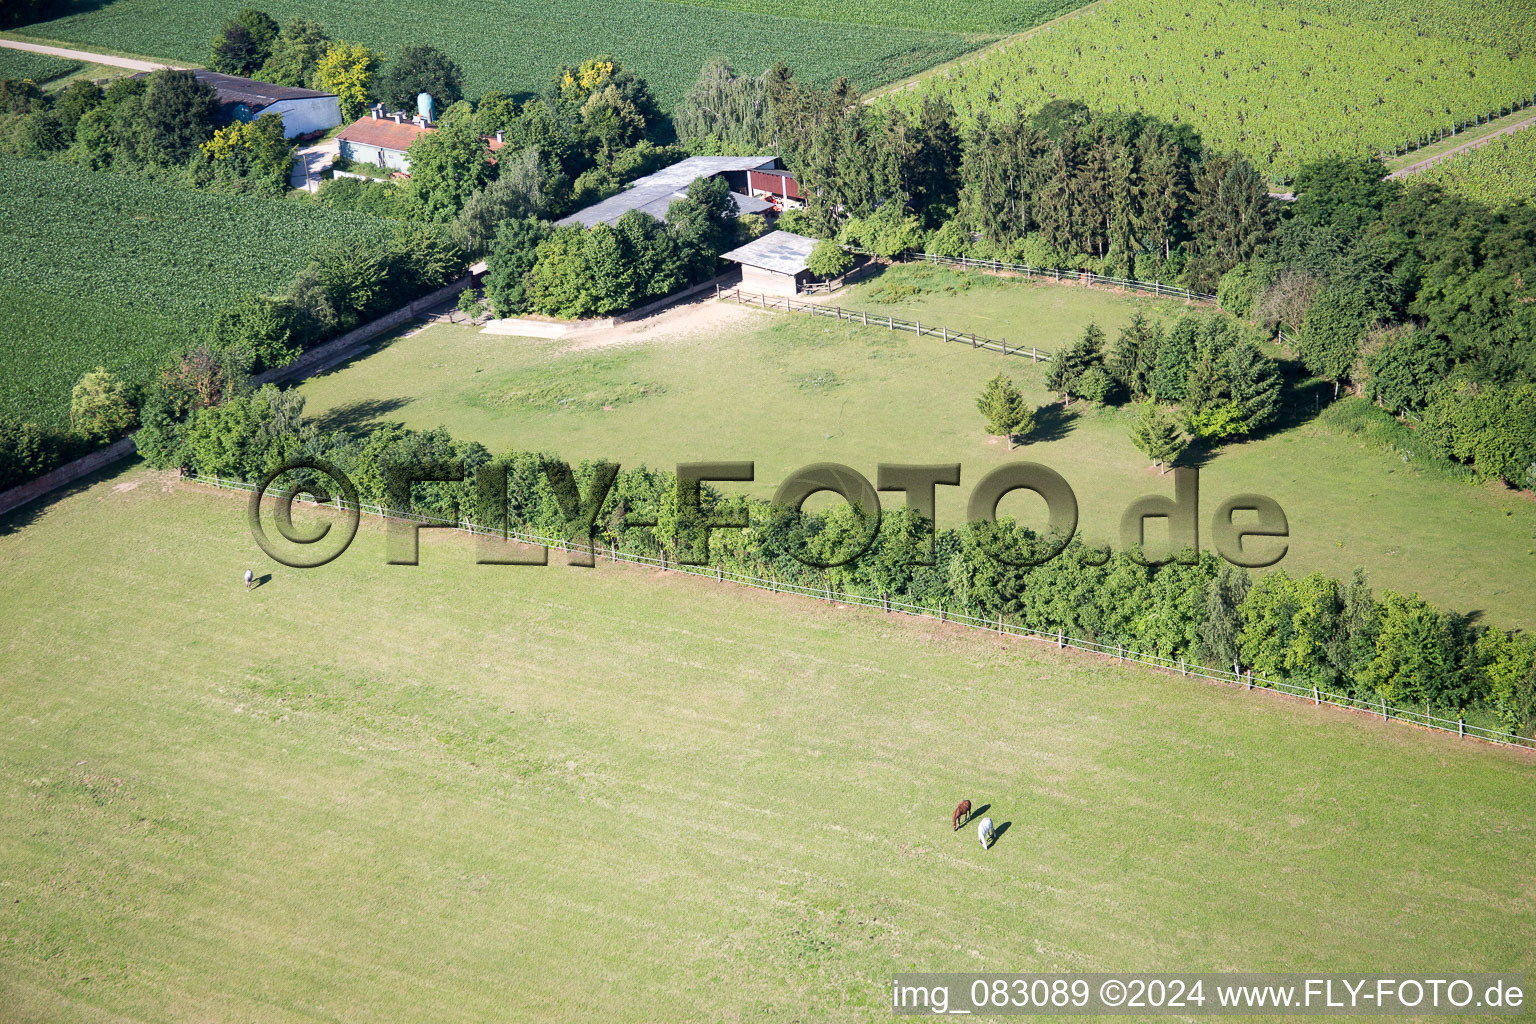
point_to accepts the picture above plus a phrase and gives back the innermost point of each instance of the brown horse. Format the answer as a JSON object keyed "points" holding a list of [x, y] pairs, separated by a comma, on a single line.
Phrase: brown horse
{"points": [[962, 815]]}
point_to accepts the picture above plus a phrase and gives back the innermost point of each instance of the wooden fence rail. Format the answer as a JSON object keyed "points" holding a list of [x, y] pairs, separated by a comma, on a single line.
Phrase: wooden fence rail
{"points": [[940, 331], [1157, 288]]}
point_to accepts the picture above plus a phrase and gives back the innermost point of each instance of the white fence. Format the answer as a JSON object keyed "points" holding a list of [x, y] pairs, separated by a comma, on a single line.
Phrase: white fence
{"points": [[1234, 677]]}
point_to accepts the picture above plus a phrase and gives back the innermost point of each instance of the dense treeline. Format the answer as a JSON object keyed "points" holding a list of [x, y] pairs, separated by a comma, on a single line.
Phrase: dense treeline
{"points": [[1311, 629], [1122, 194], [1421, 301]]}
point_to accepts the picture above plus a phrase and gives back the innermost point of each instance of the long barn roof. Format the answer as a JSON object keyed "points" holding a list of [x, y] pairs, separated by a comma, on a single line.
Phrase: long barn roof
{"points": [[653, 193]]}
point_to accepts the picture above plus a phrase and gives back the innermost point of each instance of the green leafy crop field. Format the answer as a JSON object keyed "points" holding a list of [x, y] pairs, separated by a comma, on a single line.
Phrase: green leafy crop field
{"points": [[104, 269], [455, 792], [39, 67], [516, 44], [1282, 81]]}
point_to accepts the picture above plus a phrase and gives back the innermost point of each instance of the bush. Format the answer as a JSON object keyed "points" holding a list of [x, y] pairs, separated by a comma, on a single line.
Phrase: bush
{"points": [[100, 408], [951, 240], [829, 260], [1238, 290], [27, 451]]}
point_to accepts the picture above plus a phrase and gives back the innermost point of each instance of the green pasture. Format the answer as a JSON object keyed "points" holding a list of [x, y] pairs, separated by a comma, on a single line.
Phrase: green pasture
{"points": [[789, 390], [464, 793]]}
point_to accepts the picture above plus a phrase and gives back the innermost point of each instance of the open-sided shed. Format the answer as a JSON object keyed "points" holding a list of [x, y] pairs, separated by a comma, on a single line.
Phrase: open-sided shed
{"points": [[776, 264]]}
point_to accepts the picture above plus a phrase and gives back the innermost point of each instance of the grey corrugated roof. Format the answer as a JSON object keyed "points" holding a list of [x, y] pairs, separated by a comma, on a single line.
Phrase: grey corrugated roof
{"points": [[779, 251], [653, 193], [251, 93]]}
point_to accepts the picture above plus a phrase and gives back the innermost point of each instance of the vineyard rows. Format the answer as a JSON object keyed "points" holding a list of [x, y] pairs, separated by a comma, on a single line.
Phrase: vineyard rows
{"points": [[100, 268], [1503, 171], [1282, 81], [515, 45]]}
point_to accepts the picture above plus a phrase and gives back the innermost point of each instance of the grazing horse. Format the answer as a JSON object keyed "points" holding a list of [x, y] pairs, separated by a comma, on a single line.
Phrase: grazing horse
{"points": [[961, 816], [985, 833]]}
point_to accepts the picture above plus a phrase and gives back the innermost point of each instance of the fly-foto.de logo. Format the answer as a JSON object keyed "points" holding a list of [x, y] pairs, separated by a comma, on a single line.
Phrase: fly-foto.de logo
{"points": [[1247, 530]]}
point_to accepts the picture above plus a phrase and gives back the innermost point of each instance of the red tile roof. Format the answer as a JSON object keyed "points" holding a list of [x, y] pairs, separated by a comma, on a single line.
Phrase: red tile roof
{"points": [[383, 133]]}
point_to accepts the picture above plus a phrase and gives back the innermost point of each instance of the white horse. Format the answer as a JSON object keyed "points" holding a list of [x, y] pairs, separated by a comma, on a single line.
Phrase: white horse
{"points": [[986, 833]]}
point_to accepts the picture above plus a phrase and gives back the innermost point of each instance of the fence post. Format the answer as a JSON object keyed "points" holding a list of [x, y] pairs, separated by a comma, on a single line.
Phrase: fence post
{"points": [[890, 323], [945, 334], [1059, 640], [865, 315], [1005, 346], [1182, 670], [1383, 708], [919, 325], [763, 299], [1250, 679], [1034, 354], [1461, 727], [973, 339], [999, 620], [1314, 694]]}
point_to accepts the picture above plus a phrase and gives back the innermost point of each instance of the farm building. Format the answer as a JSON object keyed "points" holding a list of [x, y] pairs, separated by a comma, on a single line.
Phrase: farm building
{"points": [[775, 264], [383, 139], [779, 188], [245, 99], [654, 193]]}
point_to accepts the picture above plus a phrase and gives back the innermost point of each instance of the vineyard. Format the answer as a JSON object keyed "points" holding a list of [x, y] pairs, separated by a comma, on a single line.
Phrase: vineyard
{"points": [[1283, 81], [102, 269], [1503, 171], [39, 67], [516, 44]]}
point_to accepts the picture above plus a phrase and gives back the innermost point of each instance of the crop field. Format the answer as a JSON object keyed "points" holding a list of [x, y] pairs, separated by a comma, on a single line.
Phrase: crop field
{"points": [[517, 44], [1282, 81], [1499, 173], [788, 390], [103, 269], [39, 67], [455, 792]]}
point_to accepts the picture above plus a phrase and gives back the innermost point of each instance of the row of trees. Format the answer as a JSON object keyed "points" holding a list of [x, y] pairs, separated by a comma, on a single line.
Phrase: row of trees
{"points": [[165, 125], [1057, 188], [1312, 629]]}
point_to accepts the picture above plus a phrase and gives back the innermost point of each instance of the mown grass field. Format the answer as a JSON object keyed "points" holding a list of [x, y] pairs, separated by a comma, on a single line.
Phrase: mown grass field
{"points": [[790, 391], [104, 269], [1282, 81], [458, 792], [517, 45]]}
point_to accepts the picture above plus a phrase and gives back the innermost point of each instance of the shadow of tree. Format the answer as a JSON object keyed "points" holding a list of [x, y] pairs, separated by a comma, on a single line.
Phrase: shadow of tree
{"points": [[359, 413], [1052, 423]]}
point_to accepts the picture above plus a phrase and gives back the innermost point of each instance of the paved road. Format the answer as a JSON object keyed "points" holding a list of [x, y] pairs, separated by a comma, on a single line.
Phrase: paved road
{"points": [[1463, 148], [86, 56], [309, 162]]}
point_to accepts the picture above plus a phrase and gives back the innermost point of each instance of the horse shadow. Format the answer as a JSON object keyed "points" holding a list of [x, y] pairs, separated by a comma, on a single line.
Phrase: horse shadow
{"points": [[978, 813], [261, 581], [998, 830]]}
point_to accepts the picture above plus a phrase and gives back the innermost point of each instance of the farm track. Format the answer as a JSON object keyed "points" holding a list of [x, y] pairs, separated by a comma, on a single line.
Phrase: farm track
{"points": [[88, 56], [1465, 147]]}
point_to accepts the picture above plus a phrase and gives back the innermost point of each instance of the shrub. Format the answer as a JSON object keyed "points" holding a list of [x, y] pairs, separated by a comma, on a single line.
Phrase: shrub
{"points": [[100, 408], [829, 260]]}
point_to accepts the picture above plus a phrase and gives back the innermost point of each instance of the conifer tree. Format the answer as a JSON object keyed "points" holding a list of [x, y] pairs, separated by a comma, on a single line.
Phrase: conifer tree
{"points": [[1004, 409]]}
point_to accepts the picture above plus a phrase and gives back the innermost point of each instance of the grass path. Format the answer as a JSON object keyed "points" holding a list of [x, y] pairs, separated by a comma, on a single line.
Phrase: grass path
{"points": [[1494, 130], [456, 792]]}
